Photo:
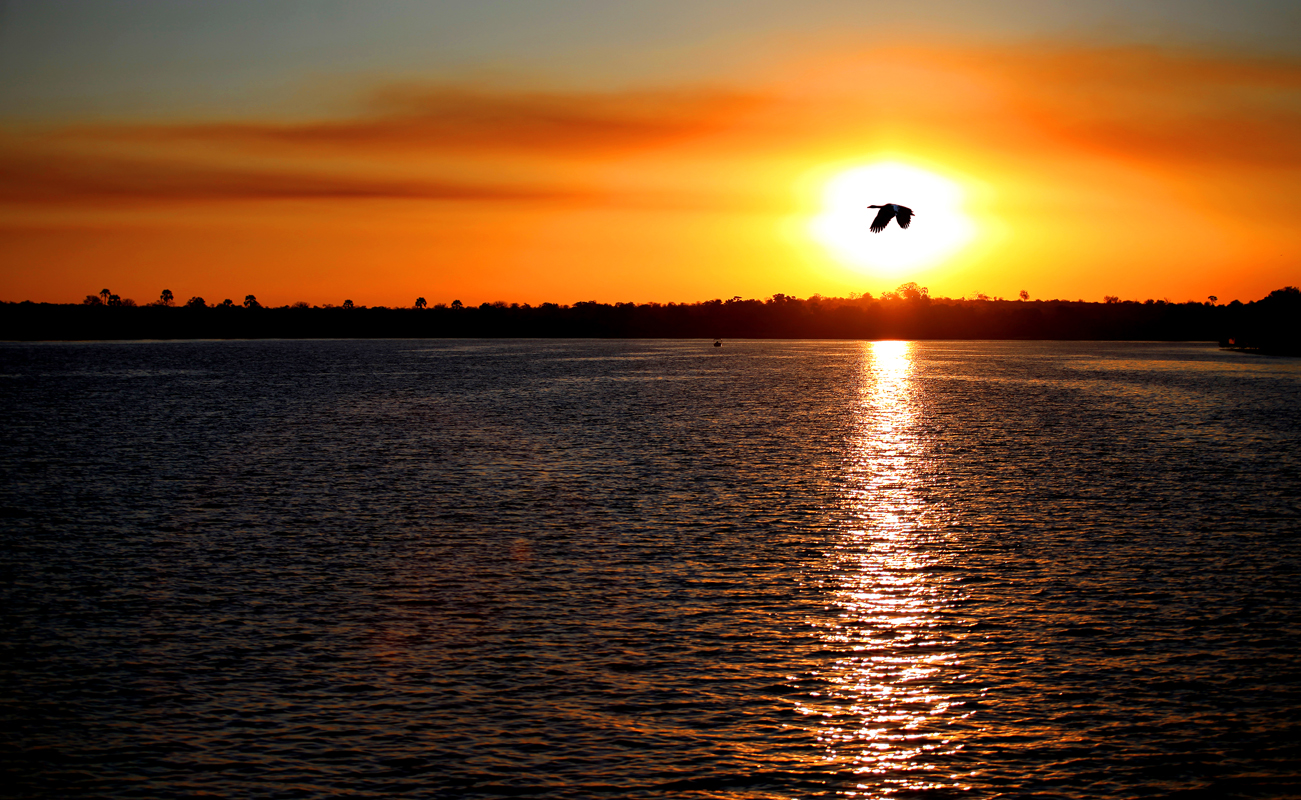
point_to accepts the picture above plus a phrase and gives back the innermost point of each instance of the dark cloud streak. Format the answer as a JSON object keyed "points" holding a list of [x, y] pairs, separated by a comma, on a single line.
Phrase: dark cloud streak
{"points": [[49, 179], [54, 180], [409, 120]]}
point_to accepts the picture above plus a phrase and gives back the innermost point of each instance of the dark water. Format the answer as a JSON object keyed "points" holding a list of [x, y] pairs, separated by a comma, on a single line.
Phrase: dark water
{"points": [[649, 569]]}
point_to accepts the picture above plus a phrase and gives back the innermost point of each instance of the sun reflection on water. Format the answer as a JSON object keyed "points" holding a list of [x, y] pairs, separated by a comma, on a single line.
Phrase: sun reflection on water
{"points": [[884, 712]]}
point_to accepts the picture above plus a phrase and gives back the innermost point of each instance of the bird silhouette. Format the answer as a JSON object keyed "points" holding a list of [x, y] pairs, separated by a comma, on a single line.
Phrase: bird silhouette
{"points": [[888, 212]]}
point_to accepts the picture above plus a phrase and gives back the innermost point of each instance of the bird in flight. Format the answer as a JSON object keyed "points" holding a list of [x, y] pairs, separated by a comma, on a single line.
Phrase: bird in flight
{"points": [[888, 212]]}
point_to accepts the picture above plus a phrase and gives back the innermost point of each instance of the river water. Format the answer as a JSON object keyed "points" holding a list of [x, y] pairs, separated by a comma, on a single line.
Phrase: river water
{"points": [[577, 569]]}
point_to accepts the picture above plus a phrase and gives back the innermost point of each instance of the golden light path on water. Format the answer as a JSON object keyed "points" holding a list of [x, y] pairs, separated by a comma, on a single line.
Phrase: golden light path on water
{"points": [[885, 714]]}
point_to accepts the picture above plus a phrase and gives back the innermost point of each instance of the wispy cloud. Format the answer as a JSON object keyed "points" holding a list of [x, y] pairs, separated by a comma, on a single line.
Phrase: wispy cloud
{"points": [[410, 119], [1153, 104], [47, 179], [89, 164], [1162, 106], [54, 179]]}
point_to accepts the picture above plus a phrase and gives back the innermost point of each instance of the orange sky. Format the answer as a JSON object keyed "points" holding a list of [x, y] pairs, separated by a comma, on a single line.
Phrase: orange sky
{"points": [[1089, 170]]}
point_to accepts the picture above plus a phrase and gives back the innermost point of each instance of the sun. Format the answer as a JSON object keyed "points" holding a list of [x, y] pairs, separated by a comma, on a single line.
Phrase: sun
{"points": [[939, 229]]}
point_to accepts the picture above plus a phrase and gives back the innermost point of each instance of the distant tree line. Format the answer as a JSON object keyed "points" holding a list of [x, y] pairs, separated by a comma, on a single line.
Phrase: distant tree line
{"points": [[166, 299], [1271, 324]]}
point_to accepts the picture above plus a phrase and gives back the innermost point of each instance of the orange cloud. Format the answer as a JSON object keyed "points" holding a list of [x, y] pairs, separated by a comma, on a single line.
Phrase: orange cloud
{"points": [[78, 179], [40, 178], [408, 118], [490, 143], [1158, 105], [1137, 103]]}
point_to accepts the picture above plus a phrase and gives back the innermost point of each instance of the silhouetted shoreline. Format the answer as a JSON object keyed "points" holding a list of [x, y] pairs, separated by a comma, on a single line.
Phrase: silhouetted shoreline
{"points": [[1269, 325]]}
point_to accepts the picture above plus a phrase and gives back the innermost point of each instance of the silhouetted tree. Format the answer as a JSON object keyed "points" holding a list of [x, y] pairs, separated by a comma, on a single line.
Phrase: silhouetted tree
{"points": [[114, 300], [195, 302], [1267, 326], [251, 302], [227, 303], [1025, 295], [911, 291], [103, 295], [1212, 298], [127, 302], [1111, 298], [456, 304], [166, 298], [420, 302], [347, 304]]}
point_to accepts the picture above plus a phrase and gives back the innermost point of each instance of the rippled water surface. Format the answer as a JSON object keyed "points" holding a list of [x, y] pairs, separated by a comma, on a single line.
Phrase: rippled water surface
{"points": [[651, 569]]}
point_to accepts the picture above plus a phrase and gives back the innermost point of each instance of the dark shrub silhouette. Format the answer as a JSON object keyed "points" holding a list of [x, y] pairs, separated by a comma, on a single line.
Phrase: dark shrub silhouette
{"points": [[1269, 325]]}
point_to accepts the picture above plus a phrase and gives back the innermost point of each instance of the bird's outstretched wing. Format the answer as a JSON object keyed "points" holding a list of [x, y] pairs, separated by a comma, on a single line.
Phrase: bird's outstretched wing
{"points": [[905, 216], [883, 218]]}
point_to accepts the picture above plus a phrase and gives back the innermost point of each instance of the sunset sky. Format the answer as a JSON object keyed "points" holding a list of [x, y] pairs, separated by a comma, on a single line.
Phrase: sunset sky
{"points": [[647, 151]]}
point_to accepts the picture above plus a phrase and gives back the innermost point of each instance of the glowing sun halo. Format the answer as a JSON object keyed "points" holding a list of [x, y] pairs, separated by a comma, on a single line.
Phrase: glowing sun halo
{"points": [[939, 229]]}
